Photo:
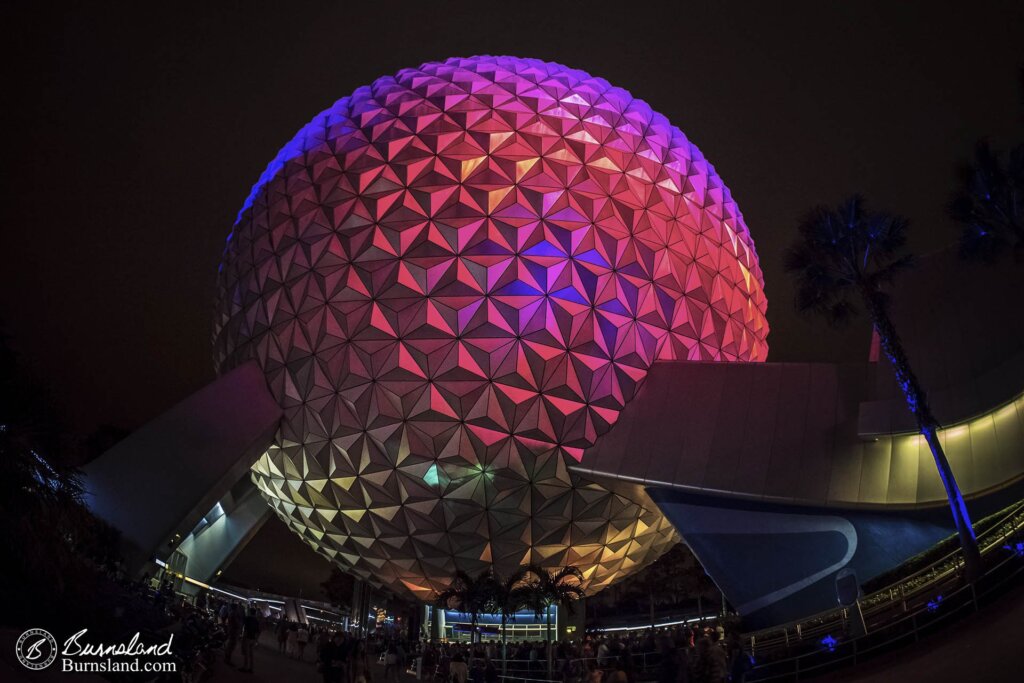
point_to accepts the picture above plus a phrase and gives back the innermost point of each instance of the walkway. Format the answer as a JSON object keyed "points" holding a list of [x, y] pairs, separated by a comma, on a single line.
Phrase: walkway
{"points": [[984, 647], [270, 666]]}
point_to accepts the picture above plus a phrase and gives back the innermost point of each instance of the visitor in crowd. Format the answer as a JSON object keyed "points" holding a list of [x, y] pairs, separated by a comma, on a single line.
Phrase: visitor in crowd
{"points": [[233, 629], [250, 634], [739, 660], [334, 658], [301, 639], [282, 636], [223, 613], [620, 673], [712, 664], [360, 662], [391, 664], [458, 670]]}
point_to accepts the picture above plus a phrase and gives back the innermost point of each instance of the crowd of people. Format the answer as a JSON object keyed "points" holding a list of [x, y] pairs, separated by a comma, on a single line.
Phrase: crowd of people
{"points": [[339, 656], [679, 654]]}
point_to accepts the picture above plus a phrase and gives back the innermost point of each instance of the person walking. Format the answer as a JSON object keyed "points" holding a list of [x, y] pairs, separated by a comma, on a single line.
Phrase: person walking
{"points": [[332, 660], [391, 665], [459, 670], [668, 664], [301, 639], [250, 633], [621, 673], [739, 660], [282, 635], [233, 628], [359, 663]]}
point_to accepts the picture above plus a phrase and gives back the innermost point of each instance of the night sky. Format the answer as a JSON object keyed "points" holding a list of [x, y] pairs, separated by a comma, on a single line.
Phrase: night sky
{"points": [[132, 138]]}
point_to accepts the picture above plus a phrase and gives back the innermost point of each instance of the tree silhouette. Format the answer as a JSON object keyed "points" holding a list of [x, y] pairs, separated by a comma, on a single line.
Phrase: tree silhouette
{"points": [[508, 594], [470, 595], [989, 204], [844, 257], [339, 587], [55, 544], [562, 588]]}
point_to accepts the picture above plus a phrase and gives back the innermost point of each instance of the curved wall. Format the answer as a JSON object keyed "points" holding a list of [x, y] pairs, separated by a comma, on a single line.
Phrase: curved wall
{"points": [[839, 434]]}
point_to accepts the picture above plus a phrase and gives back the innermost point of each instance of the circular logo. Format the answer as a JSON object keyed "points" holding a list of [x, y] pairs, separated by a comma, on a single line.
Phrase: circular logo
{"points": [[36, 649]]}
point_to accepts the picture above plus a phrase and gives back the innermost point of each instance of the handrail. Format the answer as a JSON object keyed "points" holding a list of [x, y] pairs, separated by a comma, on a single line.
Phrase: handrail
{"points": [[914, 600], [916, 627], [1016, 508]]}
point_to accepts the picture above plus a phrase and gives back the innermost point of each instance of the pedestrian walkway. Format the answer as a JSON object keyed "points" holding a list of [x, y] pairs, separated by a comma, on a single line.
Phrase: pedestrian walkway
{"points": [[980, 648], [269, 665]]}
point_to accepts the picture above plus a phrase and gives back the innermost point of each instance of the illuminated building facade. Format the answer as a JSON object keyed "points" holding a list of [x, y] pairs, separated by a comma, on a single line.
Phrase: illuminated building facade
{"points": [[454, 280]]}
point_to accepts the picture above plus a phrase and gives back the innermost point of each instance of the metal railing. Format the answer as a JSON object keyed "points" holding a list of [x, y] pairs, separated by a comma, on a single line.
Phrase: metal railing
{"points": [[536, 671], [902, 611], [890, 617]]}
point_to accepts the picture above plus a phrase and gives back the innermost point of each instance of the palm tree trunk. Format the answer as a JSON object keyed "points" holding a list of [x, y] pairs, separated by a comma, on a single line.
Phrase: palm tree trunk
{"points": [[917, 401], [650, 601], [504, 645], [547, 630]]}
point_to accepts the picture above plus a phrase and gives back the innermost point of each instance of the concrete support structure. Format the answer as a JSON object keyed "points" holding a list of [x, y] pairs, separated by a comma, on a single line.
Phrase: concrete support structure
{"points": [[158, 484], [223, 532]]}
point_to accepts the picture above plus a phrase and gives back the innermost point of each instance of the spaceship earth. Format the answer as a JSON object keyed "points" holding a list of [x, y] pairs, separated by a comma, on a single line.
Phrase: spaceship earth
{"points": [[454, 279]]}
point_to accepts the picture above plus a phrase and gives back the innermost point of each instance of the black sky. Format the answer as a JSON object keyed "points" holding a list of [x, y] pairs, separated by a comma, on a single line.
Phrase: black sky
{"points": [[134, 134]]}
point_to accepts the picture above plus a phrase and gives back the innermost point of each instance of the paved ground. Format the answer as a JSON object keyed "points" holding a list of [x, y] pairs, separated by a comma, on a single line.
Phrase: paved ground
{"points": [[270, 666]]}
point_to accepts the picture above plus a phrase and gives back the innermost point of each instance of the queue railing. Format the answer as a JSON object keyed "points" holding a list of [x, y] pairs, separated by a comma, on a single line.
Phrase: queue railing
{"points": [[903, 611]]}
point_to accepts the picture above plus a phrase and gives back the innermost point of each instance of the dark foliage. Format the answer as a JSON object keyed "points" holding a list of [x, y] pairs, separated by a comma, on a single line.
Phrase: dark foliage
{"points": [[339, 587], [842, 254], [55, 546], [673, 584], [989, 204], [562, 587], [468, 594], [508, 594]]}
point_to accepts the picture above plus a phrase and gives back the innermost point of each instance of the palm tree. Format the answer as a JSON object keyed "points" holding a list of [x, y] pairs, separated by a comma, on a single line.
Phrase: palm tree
{"points": [[847, 255], [467, 594], [508, 594], [989, 204], [561, 588]]}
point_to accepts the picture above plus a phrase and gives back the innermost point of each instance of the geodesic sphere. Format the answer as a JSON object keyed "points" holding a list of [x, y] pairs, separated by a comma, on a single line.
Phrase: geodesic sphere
{"points": [[454, 280]]}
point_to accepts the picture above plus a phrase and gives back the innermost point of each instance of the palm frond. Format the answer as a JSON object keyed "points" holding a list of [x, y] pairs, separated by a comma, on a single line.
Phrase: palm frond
{"points": [[840, 253], [989, 203]]}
